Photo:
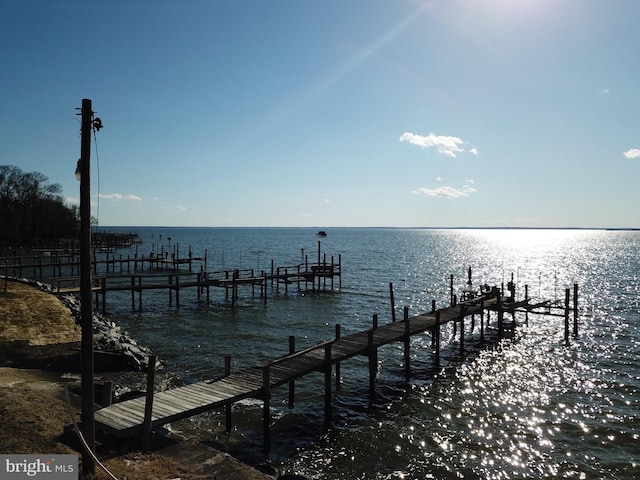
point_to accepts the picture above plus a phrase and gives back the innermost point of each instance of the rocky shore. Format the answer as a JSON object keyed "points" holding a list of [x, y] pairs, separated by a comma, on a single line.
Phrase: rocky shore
{"points": [[107, 336]]}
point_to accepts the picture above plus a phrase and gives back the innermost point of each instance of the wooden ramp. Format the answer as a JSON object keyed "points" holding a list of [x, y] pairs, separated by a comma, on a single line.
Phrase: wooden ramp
{"points": [[127, 418]]}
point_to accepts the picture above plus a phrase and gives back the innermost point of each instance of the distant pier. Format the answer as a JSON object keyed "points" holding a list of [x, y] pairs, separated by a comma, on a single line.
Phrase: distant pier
{"points": [[171, 272]]}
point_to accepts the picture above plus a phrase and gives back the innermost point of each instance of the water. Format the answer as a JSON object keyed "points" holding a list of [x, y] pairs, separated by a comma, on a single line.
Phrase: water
{"points": [[522, 407]]}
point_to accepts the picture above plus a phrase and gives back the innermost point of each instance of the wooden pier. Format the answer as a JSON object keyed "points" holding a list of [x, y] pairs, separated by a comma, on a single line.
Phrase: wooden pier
{"points": [[140, 415], [310, 277], [168, 271]]}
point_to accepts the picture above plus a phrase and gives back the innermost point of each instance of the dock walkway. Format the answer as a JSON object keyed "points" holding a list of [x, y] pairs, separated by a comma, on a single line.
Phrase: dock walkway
{"points": [[128, 418]]}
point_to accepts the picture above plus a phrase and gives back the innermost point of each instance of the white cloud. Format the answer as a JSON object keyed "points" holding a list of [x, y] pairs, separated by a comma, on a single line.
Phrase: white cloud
{"points": [[632, 153], [447, 191], [119, 196], [604, 91], [73, 200], [446, 145]]}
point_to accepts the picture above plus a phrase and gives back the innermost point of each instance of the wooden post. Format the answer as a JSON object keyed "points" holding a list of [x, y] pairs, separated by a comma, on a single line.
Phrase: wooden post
{"points": [[107, 394], [462, 314], [455, 328], [234, 287], [407, 345], [292, 383], [567, 292], [177, 290], [437, 335], [227, 372], [319, 278], [482, 320], [575, 309], [373, 365], [206, 279], [264, 282], [286, 281], [526, 312], [393, 303], [272, 276], [266, 408], [433, 306], [500, 316], [451, 290], [327, 383], [338, 374], [332, 270], [103, 284], [148, 406], [140, 293]]}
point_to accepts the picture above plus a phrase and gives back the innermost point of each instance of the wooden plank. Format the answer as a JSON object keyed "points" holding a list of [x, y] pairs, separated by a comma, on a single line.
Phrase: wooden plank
{"points": [[199, 397]]}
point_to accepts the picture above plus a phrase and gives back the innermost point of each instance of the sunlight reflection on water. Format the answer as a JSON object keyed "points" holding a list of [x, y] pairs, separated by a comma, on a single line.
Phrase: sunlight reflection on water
{"points": [[524, 407]]}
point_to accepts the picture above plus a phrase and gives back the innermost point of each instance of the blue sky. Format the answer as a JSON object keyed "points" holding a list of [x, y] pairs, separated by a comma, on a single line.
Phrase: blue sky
{"points": [[331, 113]]}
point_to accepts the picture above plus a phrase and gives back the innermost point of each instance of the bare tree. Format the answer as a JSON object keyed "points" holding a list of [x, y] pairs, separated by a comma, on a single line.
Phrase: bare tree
{"points": [[32, 210]]}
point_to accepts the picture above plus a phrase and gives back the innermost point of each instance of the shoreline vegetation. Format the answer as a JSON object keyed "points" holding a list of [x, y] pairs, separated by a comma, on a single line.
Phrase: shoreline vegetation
{"points": [[39, 358]]}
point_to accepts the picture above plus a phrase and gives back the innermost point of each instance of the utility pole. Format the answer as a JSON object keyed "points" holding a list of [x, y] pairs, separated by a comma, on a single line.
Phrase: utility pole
{"points": [[86, 307]]}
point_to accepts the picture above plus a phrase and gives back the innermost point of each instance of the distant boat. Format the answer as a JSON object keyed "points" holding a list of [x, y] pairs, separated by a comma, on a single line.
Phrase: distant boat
{"points": [[322, 233]]}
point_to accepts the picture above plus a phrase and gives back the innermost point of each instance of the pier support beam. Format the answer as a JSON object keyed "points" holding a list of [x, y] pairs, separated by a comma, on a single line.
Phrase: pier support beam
{"points": [[227, 408], [500, 315], [327, 384], [437, 338], [292, 383], [373, 365], [266, 409], [482, 321], [462, 314], [575, 309], [393, 303], [567, 292], [148, 406], [338, 373], [407, 345]]}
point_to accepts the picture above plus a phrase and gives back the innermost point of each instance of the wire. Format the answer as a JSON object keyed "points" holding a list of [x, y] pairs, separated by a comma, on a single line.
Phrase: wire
{"points": [[81, 437], [95, 142]]}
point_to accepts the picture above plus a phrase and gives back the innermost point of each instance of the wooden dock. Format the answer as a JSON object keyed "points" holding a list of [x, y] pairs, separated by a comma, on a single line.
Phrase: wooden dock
{"points": [[310, 277], [140, 415]]}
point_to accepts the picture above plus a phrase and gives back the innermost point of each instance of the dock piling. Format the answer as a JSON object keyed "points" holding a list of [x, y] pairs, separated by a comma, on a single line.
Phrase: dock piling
{"points": [[437, 337], [567, 292], [373, 364], [393, 303], [292, 383], [338, 373], [327, 383], [575, 309], [407, 345], [148, 406], [266, 408]]}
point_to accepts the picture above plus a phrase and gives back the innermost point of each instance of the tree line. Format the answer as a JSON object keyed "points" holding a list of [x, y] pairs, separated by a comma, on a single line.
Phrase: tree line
{"points": [[32, 210]]}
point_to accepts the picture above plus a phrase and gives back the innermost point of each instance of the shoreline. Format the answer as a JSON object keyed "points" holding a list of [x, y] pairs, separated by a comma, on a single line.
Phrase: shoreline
{"points": [[26, 384]]}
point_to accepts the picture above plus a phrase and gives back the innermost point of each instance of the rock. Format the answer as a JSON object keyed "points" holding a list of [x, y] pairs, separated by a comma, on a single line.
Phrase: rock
{"points": [[107, 335]]}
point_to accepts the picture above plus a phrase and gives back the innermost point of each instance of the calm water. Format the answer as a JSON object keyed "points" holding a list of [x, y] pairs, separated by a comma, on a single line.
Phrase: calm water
{"points": [[523, 407]]}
